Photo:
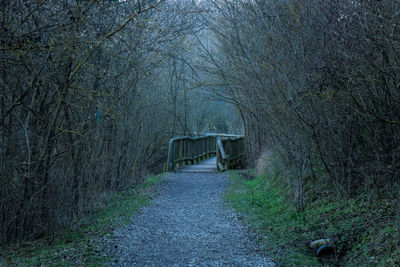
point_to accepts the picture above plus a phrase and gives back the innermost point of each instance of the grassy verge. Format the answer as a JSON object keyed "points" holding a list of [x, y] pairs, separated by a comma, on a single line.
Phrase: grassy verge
{"points": [[80, 245], [365, 233]]}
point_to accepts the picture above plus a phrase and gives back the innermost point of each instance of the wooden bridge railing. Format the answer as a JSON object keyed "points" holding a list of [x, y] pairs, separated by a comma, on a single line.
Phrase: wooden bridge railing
{"points": [[230, 152], [185, 150]]}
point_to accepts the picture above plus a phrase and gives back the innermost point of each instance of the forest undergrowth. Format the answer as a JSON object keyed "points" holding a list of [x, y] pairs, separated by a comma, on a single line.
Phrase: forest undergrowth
{"points": [[83, 243], [364, 229]]}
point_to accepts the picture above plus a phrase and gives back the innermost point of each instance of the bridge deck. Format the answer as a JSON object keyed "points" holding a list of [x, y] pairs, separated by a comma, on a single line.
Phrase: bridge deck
{"points": [[207, 165]]}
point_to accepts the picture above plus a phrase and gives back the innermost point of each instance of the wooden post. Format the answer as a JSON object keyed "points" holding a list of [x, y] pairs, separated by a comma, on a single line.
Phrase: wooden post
{"points": [[222, 158], [218, 153], [190, 152], [170, 160], [180, 150]]}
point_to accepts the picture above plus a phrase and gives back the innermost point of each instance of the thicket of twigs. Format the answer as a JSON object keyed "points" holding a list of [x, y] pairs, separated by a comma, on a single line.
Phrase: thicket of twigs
{"points": [[319, 83], [91, 92]]}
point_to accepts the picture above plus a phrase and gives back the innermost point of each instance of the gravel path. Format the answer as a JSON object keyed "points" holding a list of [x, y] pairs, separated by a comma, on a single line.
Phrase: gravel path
{"points": [[187, 225]]}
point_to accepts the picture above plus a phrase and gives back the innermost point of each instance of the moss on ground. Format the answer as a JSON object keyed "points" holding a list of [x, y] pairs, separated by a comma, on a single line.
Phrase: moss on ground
{"points": [[365, 233], [80, 244]]}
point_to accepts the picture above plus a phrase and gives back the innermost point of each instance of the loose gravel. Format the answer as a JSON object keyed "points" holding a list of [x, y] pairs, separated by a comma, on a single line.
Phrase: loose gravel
{"points": [[187, 224]]}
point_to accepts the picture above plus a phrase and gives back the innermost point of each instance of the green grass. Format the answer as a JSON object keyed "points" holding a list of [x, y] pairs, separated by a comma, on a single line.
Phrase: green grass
{"points": [[365, 233], [80, 244]]}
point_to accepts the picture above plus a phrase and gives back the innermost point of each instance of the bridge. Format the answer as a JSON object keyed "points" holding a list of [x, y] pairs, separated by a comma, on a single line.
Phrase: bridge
{"points": [[206, 153]]}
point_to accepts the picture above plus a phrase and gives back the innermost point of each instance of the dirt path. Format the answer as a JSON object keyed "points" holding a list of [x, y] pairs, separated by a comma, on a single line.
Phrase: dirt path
{"points": [[187, 225]]}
